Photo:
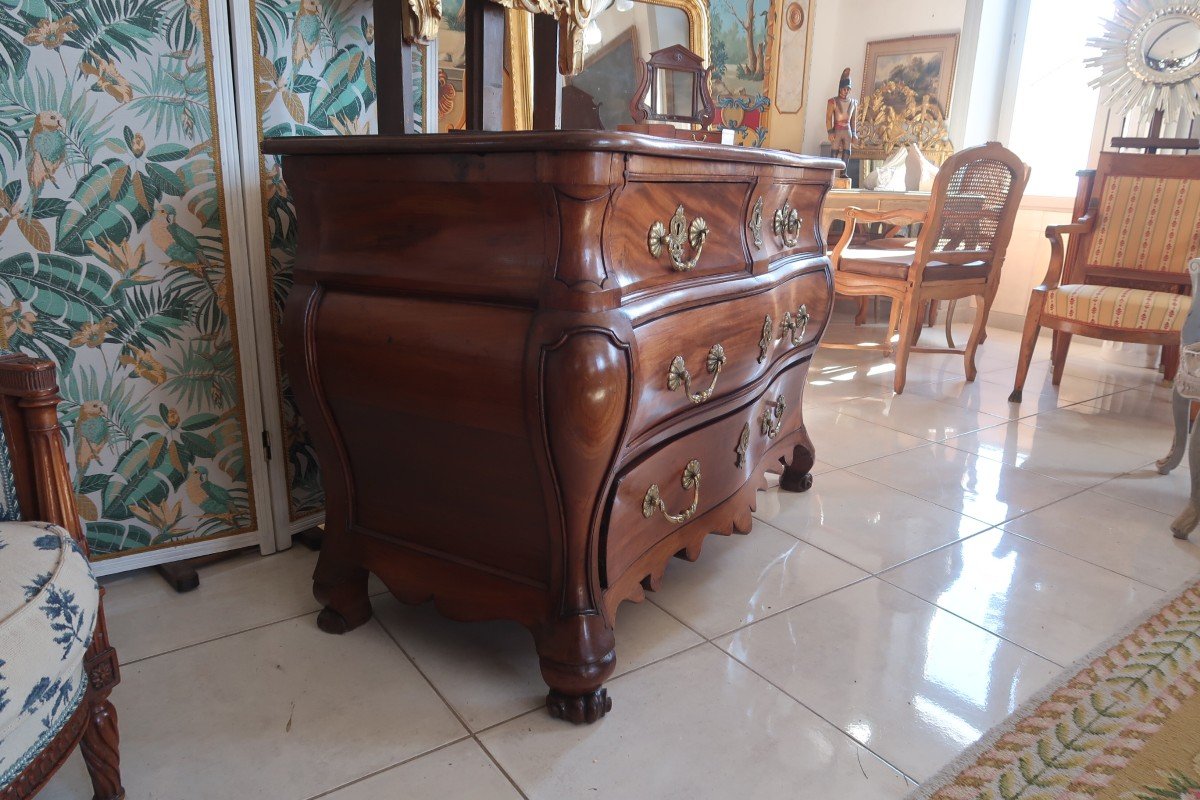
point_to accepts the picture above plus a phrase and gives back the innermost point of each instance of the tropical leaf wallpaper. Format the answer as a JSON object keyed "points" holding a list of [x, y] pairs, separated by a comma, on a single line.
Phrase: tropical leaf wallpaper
{"points": [[315, 76], [114, 263]]}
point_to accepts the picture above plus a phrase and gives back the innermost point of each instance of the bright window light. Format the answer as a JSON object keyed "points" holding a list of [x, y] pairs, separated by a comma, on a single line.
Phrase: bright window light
{"points": [[1055, 110]]}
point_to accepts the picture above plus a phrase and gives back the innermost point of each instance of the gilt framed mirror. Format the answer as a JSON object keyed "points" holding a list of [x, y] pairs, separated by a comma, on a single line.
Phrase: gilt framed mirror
{"points": [[1150, 58], [621, 32]]}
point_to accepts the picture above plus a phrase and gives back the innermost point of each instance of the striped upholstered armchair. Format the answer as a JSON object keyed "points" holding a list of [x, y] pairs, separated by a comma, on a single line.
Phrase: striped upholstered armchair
{"points": [[56, 666], [1122, 276]]}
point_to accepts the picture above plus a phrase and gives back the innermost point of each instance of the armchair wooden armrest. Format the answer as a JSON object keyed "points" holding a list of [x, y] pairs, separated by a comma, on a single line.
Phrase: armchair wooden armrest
{"points": [[1056, 234], [854, 215]]}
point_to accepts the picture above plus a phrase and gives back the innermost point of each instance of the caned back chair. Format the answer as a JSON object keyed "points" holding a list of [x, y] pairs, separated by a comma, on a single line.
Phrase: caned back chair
{"points": [[959, 252], [56, 665], [1122, 274]]}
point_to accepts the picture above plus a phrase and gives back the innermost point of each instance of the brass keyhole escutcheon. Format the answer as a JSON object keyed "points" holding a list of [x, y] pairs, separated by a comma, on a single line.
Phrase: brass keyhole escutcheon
{"points": [[764, 343], [755, 223], [739, 452]]}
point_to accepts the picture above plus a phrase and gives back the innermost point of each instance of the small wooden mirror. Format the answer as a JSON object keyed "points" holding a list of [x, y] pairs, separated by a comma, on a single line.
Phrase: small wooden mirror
{"points": [[673, 87]]}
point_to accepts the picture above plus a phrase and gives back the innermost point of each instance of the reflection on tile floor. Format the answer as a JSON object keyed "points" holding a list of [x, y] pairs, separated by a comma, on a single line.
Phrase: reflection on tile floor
{"points": [[954, 554]]}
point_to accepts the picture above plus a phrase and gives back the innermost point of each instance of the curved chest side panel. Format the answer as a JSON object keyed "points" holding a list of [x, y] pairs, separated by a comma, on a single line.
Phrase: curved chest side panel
{"points": [[426, 398]]}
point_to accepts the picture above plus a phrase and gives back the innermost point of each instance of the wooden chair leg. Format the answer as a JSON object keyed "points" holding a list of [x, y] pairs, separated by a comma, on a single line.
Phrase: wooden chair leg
{"points": [[950, 323], [910, 329], [1170, 361], [1062, 344], [861, 317], [1033, 319], [977, 332], [933, 312], [893, 323], [101, 752]]}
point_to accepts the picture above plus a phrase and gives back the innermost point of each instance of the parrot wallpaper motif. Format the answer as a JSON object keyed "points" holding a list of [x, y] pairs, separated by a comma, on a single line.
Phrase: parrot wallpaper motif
{"points": [[113, 261], [315, 73]]}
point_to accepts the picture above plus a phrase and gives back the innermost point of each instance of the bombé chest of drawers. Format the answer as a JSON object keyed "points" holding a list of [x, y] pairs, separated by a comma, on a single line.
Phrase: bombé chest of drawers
{"points": [[536, 366]]}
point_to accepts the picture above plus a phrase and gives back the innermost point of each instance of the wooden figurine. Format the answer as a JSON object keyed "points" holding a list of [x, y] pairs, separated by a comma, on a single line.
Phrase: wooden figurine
{"points": [[1187, 390], [840, 114]]}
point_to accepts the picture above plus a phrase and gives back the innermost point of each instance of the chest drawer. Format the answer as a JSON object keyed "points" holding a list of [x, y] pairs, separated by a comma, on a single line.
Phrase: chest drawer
{"points": [[706, 354], [787, 222], [685, 478], [664, 232]]}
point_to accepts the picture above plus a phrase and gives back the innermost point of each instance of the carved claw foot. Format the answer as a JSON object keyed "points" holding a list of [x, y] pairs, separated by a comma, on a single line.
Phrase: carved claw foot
{"points": [[332, 621], [1186, 522], [580, 709], [1015, 397], [795, 481]]}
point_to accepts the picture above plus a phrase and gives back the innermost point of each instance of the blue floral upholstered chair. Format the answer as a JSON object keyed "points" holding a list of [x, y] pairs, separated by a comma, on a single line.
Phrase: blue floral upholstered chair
{"points": [[56, 666]]}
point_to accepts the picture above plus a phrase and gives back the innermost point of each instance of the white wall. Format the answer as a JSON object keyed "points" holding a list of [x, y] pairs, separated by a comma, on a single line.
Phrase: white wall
{"points": [[840, 35]]}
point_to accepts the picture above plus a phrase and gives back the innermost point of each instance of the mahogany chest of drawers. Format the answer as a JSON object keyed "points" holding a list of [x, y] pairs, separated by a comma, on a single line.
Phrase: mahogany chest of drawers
{"points": [[536, 366]]}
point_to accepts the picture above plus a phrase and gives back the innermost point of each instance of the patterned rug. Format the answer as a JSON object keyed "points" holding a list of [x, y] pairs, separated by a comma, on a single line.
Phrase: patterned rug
{"points": [[1125, 726]]}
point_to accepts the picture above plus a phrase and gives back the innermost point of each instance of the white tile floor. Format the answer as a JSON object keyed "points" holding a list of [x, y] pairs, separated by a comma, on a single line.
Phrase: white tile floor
{"points": [[954, 554]]}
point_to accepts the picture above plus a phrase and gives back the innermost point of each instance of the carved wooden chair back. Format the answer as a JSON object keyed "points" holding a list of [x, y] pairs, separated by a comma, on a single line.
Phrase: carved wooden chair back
{"points": [[975, 199]]}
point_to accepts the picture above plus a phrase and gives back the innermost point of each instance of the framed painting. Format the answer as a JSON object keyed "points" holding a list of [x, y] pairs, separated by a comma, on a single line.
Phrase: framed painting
{"points": [[924, 65]]}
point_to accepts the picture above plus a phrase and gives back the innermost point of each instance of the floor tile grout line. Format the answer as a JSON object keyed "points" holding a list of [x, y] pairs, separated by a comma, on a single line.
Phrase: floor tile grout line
{"points": [[1132, 474], [388, 768], [904, 492], [622, 676], [971, 622], [1078, 490], [226, 635], [1060, 551], [880, 576], [461, 719], [814, 712], [218, 638]]}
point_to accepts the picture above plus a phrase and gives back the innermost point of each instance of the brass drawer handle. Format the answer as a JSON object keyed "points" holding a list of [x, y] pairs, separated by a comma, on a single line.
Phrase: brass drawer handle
{"points": [[678, 374], [765, 342], [743, 445], [787, 224], [680, 233], [653, 501], [772, 418], [795, 327], [755, 223]]}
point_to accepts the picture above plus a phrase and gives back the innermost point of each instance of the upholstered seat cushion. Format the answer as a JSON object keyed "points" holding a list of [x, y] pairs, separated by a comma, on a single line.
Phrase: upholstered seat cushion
{"points": [[1122, 309], [895, 263], [48, 606]]}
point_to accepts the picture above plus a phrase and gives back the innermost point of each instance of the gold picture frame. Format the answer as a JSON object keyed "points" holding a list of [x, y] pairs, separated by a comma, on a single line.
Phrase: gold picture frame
{"points": [[909, 51]]}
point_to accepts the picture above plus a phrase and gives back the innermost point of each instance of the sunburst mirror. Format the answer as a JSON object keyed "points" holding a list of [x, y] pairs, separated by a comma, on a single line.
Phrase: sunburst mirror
{"points": [[1150, 57]]}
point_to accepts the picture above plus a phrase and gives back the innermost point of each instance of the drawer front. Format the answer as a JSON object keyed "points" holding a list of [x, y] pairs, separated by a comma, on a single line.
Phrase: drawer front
{"points": [[698, 471], [649, 241], [788, 218], [706, 354]]}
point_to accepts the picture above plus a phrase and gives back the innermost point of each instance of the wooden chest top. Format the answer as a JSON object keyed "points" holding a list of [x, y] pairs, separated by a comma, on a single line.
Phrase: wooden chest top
{"points": [[547, 219]]}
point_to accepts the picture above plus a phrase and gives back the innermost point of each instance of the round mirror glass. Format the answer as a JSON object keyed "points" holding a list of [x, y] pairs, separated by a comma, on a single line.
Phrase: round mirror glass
{"points": [[1172, 44]]}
